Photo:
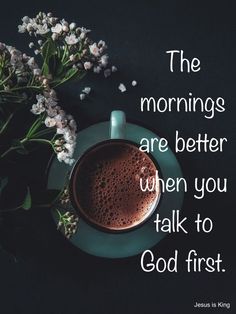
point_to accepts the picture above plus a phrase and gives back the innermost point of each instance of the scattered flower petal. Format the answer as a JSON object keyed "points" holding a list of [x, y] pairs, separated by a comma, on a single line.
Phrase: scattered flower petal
{"points": [[107, 73], [122, 88], [82, 96], [86, 90]]}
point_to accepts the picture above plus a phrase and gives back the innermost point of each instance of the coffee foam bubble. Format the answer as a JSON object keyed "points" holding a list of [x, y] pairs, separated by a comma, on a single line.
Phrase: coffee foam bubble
{"points": [[107, 185]]}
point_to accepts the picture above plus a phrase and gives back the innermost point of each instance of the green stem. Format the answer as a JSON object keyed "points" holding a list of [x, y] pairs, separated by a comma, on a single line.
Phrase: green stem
{"points": [[66, 79], [39, 140], [34, 126], [59, 214], [65, 53], [43, 141], [7, 78], [43, 132], [20, 88], [8, 151], [6, 123], [10, 209], [25, 140], [54, 136]]}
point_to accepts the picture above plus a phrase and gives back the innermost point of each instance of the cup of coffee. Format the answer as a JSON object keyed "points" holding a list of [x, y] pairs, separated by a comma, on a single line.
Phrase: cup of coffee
{"points": [[105, 182]]}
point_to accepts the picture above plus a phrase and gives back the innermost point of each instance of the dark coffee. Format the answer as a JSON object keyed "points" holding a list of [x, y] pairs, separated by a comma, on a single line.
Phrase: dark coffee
{"points": [[106, 185]]}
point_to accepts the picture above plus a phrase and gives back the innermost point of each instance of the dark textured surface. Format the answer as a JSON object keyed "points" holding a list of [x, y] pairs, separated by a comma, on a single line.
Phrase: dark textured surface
{"points": [[48, 274]]}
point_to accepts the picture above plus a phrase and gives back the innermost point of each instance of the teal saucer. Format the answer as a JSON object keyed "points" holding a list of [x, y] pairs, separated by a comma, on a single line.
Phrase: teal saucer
{"points": [[113, 245]]}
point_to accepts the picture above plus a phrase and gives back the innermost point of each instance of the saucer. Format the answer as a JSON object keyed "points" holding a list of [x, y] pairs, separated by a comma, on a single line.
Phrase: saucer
{"points": [[110, 245]]}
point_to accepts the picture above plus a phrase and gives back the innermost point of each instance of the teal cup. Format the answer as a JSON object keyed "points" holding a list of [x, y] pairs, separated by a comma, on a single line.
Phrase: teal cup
{"points": [[78, 179]]}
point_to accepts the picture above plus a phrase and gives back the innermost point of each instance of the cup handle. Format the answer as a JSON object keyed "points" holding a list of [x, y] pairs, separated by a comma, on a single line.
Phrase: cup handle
{"points": [[117, 125]]}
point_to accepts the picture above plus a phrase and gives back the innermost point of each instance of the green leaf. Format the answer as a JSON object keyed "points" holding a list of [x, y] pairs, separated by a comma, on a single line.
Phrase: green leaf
{"points": [[48, 50], [59, 68], [28, 201], [70, 73]]}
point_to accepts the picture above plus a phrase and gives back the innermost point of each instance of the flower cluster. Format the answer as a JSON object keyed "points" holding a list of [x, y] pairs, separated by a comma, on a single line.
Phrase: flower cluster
{"points": [[64, 123], [69, 222], [74, 46], [17, 70], [66, 52]]}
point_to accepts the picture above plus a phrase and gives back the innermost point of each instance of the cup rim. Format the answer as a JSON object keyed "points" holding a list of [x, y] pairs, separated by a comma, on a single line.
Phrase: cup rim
{"points": [[94, 224]]}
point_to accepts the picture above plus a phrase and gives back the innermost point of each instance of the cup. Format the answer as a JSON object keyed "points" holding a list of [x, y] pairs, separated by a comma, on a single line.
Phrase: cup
{"points": [[105, 186]]}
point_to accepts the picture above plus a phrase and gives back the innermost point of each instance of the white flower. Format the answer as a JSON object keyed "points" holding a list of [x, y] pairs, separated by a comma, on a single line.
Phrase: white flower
{"points": [[42, 29], [64, 22], [61, 121], [16, 57], [50, 122], [72, 26], [37, 72], [45, 82], [40, 42], [82, 96], [82, 35], [54, 36], [21, 28], [83, 32], [40, 98], [31, 45], [94, 50], [57, 28], [72, 39], [107, 73], [86, 90], [134, 83], [2, 46], [37, 108], [29, 27], [104, 60], [65, 28], [69, 161], [32, 64], [50, 102], [101, 44], [88, 65], [69, 137], [122, 88], [61, 131], [113, 68], [25, 19], [37, 52], [69, 148], [72, 125], [72, 58], [61, 156], [52, 112], [97, 69]]}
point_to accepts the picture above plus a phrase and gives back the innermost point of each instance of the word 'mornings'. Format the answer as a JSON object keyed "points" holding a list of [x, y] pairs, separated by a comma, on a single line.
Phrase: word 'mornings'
{"points": [[208, 106]]}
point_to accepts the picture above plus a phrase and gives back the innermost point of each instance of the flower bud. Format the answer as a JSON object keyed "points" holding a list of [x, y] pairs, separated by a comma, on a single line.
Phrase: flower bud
{"points": [[72, 26], [54, 36], [65, 28]]}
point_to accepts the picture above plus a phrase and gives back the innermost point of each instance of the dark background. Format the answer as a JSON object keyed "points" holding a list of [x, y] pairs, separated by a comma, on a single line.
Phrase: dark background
{"points": [[44, 273]]}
